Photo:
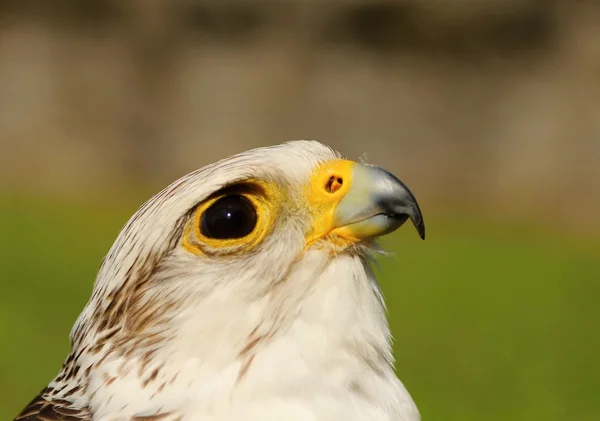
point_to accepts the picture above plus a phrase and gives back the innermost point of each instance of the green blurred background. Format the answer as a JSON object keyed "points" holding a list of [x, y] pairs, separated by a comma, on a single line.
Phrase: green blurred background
{"points": [[489, 111]]}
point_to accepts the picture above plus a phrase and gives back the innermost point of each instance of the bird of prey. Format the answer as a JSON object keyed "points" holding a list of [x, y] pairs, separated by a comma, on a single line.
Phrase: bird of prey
{"points": [[243, 292]]}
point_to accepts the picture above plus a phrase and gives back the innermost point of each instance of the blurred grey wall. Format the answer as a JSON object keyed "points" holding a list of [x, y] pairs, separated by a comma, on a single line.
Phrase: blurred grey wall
{"points": [[494, 102]]}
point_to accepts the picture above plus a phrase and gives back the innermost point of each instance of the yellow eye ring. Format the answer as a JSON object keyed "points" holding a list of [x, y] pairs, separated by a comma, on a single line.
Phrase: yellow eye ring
{"points": [[257, 196]]}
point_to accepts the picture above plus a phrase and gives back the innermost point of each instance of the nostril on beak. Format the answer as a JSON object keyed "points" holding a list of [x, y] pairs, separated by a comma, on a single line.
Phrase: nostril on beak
{"points": [[334, 183]]}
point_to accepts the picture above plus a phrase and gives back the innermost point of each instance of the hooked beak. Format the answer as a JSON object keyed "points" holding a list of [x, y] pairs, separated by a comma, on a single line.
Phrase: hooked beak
{"points": [[368, 202]]}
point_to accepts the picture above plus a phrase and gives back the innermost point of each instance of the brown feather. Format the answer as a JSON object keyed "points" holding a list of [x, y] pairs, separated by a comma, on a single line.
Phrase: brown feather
{"points": [[42, 408]]}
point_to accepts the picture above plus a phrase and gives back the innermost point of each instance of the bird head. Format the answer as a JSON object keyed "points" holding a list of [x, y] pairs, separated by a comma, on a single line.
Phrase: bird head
{"points": [[230, 255]]}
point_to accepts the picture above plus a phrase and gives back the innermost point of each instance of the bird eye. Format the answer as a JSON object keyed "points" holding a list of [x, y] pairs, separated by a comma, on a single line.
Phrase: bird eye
{"points": [[229, 217]]}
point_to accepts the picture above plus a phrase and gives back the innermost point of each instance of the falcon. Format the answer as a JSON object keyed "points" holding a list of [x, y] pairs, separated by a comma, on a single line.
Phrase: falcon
{"points": [[243, 291]]}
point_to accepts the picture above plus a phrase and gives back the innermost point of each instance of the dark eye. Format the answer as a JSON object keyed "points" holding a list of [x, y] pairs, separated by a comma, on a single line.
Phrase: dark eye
{"points": [[229, 217]]}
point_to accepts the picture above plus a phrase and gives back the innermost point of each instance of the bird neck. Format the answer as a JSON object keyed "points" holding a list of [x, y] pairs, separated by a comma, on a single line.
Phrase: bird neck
{"points": [[321, 333], [325, 304]]}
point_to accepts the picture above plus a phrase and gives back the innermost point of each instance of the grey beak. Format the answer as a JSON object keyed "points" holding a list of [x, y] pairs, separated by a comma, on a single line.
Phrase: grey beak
{"points": [[377, 204]]}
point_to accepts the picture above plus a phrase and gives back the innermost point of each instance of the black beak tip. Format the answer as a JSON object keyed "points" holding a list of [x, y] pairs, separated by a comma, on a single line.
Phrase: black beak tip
{"points": [[399, 201], [420, 226], [417, 218]]}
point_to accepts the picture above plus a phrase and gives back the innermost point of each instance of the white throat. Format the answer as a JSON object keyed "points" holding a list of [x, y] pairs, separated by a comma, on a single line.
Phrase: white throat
{"points": [[261, 363]]}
